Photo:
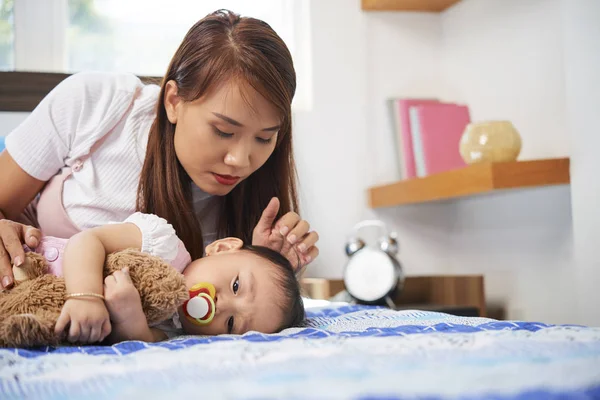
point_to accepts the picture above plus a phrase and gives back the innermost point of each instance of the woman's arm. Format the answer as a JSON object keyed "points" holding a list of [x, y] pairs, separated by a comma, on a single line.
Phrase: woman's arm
{"points": [[17, 189]]}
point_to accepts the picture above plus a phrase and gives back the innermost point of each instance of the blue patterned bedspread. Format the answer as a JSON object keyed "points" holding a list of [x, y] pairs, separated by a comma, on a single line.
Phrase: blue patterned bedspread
{"points": [[346, 352]]}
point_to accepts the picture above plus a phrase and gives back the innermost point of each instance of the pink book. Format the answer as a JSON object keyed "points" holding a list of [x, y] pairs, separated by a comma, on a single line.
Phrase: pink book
{"points": [[405, 141], [437, 129]]}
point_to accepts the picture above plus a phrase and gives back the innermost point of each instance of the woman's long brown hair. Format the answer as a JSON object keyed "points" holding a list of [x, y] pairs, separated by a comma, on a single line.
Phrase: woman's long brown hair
{"points": [[219, 47]]}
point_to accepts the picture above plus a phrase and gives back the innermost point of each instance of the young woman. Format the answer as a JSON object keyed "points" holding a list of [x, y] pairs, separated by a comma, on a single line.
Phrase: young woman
{"points": [[210, 150]]}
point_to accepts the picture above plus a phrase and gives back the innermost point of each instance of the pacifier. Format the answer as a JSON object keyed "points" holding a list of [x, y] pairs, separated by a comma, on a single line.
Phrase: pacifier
{"points": [[200, 308]]}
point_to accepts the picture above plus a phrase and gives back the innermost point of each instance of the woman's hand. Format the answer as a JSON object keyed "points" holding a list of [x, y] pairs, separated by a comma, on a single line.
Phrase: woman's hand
{"points": [[289, 235], [87, 318], [12, 237]]}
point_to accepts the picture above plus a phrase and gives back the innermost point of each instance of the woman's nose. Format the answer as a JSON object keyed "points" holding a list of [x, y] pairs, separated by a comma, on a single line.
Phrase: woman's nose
{"points": [[238, 156]]}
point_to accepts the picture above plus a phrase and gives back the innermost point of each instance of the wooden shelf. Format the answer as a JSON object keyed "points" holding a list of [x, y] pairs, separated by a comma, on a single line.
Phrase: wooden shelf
{"points": [[407, 5], [419, 292], [471, 180]]}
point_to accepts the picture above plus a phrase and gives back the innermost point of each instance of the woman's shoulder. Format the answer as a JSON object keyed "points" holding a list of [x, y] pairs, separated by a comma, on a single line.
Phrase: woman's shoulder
{"points": [[96, 83]]}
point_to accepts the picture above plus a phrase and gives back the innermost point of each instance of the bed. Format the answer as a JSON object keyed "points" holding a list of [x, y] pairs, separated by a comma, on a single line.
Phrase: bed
{"points": [[345, 352]]}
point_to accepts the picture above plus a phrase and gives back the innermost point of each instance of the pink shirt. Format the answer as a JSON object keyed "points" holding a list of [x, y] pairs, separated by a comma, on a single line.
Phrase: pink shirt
{"points": [[158, 239]]}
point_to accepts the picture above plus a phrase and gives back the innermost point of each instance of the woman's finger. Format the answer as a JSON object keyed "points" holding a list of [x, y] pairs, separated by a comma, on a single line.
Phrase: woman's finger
{"points": [[12, 244], [286, 223], [6, 274], [288, 251], [312, 253], [307, 242], [265, 223], [298, 231], [31, 235], [276, 241]]}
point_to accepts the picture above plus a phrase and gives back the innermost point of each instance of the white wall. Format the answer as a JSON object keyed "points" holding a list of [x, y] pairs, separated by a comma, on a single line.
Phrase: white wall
{"points": [[344, 144], [582, 65], [10, 120], [330, 140], [504, 59]]}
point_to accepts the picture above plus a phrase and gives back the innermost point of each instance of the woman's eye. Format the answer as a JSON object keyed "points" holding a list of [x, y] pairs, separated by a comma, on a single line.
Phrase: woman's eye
{"points": [[236, 285], [222, 134], [264, 141], [230, 325]]}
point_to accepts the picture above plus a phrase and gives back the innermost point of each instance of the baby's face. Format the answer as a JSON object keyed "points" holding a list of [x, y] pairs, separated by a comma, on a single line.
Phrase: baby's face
{"points": [[247, 294]]}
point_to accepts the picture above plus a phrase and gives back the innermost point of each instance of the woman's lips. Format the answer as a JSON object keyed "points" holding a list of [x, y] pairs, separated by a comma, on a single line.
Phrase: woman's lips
{"points": [[226, 180]]}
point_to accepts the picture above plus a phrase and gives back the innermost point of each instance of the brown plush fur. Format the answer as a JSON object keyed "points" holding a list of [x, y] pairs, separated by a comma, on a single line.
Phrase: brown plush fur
{"points": [[28, 311]]}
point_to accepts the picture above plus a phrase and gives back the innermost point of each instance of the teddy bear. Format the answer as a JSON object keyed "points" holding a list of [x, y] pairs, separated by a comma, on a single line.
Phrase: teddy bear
{"points": [[29, 311]]}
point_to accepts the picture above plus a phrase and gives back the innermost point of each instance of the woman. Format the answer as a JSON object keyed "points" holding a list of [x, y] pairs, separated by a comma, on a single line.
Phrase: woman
{"points": [[210, 150]]}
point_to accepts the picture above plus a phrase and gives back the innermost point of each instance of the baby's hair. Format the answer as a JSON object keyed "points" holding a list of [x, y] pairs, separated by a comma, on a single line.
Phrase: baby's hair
{"points": [[292, 307]]}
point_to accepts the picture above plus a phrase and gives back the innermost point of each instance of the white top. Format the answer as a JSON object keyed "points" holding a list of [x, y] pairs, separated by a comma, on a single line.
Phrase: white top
{"points": [[70, 120], [159, 239]]}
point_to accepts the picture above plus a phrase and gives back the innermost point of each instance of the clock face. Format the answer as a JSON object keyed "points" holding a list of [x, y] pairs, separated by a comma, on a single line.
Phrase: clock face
{"points": [[370, 275]]}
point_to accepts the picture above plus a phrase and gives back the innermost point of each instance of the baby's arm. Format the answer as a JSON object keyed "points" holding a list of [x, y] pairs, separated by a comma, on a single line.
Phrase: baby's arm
{"points": [[86, 253], [83, 263], [125, 307]]}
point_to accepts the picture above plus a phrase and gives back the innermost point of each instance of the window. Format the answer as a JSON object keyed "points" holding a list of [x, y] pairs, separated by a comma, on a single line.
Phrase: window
{"points": [[6, 35], [134, 36]]}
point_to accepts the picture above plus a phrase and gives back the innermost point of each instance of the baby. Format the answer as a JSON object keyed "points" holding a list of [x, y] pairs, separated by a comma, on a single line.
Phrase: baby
{"points": [[252, 288]]}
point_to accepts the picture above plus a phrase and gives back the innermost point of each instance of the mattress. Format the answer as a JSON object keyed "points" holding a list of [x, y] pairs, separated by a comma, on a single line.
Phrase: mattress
{"points": [[344, 352]]}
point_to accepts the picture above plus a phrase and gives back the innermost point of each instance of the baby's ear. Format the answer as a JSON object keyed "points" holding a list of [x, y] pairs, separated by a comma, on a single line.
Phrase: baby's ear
{"points": [[223, 245]]}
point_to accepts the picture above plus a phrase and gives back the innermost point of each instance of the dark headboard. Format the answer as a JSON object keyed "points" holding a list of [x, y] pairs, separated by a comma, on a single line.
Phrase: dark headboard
{"points": [[22, 91]]}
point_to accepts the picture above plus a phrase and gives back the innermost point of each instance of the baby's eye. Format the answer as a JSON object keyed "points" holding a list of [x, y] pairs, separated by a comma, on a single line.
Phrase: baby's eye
{"points": [[230, 325], [236, 285]]}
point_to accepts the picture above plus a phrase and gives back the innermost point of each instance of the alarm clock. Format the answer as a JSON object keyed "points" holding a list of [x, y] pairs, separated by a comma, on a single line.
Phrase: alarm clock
{"points": [[373, 274]]}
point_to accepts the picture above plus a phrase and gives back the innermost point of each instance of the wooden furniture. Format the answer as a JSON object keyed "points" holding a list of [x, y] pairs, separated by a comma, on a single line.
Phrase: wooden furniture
{"points": [[420, 292], [407, 5], [471, 180], [22, 91]]}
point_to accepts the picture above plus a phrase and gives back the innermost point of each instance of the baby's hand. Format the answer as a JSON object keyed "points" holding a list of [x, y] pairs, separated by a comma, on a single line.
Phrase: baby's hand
{"points": [[122, 298], [88, 320]]}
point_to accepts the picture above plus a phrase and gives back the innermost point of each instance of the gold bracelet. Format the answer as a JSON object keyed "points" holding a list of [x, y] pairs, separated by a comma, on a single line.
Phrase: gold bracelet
{"points": [[74, 295]]}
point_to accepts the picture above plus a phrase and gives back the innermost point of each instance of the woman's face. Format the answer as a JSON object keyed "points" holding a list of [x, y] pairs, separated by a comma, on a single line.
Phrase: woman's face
{"points": [[223, 137]]}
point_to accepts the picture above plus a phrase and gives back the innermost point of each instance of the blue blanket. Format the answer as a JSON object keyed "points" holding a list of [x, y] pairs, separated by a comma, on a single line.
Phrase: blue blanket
{"points": [[345, 352]]}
